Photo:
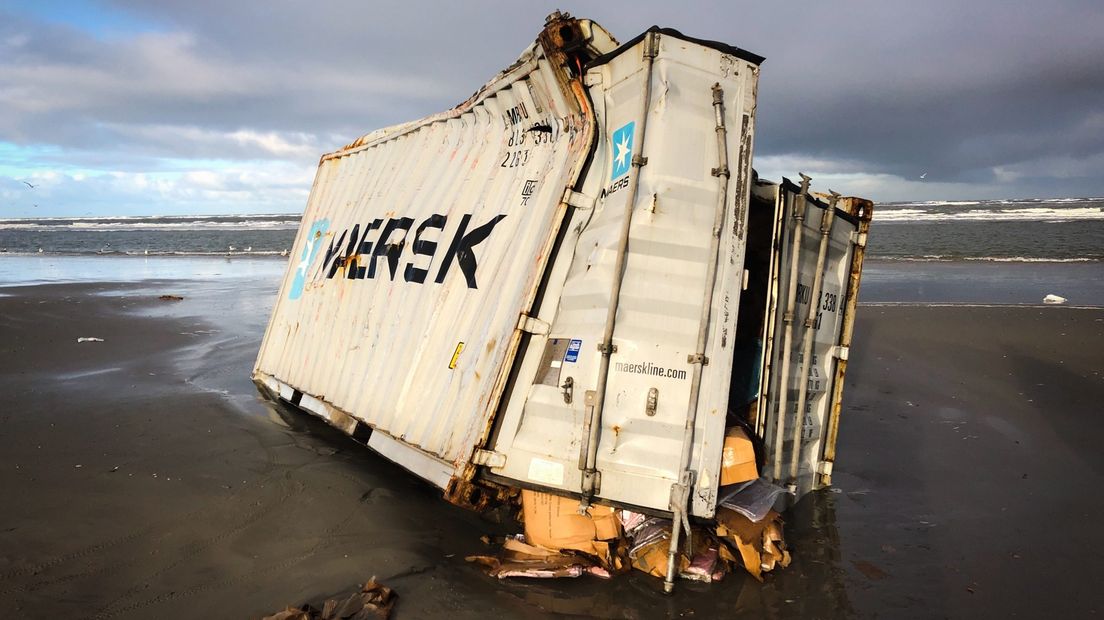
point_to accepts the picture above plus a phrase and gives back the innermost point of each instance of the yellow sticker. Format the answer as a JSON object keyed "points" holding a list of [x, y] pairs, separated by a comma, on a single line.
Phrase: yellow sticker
{"points": [[456, 355]]}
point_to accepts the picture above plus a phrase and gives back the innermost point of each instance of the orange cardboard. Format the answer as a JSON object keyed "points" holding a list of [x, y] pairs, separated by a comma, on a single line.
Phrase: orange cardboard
{"points": [[554, 522], [737, 458]]}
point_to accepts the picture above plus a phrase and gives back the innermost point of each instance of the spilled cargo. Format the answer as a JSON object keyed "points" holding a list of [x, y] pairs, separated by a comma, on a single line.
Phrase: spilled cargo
{"points": [[574, 284]]}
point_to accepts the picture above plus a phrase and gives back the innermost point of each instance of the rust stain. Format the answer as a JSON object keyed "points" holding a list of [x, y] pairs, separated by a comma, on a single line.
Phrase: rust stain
{"points": [[478, 496]]}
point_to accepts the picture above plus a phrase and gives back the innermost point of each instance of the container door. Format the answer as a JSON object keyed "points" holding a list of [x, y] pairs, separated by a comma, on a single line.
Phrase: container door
{"points": [[543, 438], [784, 367]]}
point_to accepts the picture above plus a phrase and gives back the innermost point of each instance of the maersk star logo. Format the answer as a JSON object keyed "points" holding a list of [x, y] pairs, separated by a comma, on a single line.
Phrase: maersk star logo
{"points": [[310, 250], [622, 149]]}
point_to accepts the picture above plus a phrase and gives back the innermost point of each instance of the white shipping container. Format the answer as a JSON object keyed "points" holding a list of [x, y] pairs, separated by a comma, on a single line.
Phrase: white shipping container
{"points": [[569, 281]]}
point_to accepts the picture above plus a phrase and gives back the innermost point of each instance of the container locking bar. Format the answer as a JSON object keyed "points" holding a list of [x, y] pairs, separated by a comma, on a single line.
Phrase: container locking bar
{"points": [[680, 492], [592, 423], [780, 414]]}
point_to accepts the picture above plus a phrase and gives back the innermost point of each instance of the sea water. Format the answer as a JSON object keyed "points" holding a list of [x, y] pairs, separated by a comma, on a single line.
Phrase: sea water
{"points": [[992, 251]]}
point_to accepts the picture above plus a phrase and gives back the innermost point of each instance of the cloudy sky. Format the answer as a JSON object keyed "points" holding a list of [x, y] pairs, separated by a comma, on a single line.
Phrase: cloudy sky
{"points": [[197, 106]]}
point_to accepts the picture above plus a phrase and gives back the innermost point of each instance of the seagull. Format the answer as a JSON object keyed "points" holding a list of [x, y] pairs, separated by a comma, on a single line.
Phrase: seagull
{"points": [[248, 249], [923, 175], [29, 185], [284, 252]]}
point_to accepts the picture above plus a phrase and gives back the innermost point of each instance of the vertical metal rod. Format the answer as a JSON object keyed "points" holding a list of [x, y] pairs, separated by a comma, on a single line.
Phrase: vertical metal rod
{"points": [[810, 331], [590, 473], [787, 331], [864, 211], [680, 492]]}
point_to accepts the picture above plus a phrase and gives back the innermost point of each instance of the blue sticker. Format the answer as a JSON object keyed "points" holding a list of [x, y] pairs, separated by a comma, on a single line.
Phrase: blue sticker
{"points": [[622, 149], [310, 250], [573, 351]]}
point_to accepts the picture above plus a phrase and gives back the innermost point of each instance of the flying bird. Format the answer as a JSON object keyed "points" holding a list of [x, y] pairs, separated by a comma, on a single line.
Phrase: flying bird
{"points": [[923, 175]]}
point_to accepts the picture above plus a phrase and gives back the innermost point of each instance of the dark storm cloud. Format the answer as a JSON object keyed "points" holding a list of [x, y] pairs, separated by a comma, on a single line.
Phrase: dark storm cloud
{"points": [[997, 96]]}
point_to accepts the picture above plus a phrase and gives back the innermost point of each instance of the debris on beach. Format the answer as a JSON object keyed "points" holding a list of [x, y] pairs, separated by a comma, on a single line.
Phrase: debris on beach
{"points": [[520, 559], [562, 539], [171, 298], [1054, 300], [373, 602], [88, 339]]}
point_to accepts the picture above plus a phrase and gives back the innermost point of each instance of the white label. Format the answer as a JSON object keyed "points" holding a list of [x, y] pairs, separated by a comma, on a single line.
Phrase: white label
{"points": [[548, 472]]}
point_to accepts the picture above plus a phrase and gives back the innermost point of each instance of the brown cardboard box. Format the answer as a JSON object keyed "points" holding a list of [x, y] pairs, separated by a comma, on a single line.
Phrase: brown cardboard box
{"points": [[653, 558], [554, 522], [737, 458], [760, 544]]}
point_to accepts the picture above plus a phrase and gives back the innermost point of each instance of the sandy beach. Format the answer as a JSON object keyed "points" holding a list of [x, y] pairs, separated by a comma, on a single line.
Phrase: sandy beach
{"points": [[144, 476]]}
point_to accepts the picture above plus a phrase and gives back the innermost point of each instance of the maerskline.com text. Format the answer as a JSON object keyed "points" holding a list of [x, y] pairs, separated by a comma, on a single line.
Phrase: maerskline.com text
{"points": [[648, 368]]}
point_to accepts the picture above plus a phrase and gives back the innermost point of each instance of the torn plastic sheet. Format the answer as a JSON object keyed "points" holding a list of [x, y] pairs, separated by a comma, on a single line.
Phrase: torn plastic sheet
{"points": [[753, 499]]}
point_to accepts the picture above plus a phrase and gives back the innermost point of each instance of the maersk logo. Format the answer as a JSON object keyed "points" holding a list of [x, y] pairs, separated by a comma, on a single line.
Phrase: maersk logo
{"points": [[622, 149], [376, 249], [310, 249]]}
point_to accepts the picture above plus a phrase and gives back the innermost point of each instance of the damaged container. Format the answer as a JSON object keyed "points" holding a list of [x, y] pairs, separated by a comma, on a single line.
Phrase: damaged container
{"points": [[573, 282]]}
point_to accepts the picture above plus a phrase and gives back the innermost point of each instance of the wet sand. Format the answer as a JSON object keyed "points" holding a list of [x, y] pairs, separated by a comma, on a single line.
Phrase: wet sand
{"points": [[144, 477]]}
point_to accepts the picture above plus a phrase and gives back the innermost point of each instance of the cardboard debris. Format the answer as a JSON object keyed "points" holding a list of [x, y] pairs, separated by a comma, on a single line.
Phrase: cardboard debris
{"points": [[760, 544], [519, 559], [373, 602], [560, 542], [737, 458], [554, 522], [652, 558]]}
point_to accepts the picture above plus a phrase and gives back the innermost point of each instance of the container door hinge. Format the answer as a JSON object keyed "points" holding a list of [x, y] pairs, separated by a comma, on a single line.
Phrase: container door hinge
{"points": [[594, 78], [533, 325], [578, 200], [639, 161], [489, 458], [840, 352], [824, 468], [858, 238], [607, 349], [680, 491], [697, 358]]}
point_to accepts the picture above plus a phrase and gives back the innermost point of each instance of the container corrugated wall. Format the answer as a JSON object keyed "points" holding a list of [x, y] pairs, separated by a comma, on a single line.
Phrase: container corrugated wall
{"points": [[420, 248]]}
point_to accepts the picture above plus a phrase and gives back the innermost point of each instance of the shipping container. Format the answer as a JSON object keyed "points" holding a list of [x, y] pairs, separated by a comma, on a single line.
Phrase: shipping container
{"points": [[574, 282]]}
